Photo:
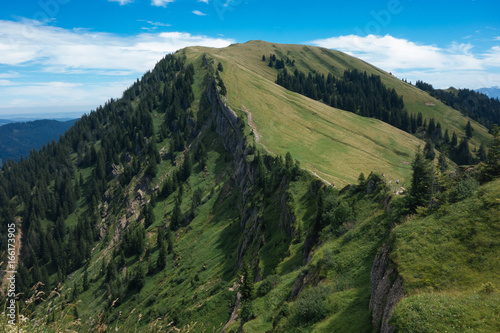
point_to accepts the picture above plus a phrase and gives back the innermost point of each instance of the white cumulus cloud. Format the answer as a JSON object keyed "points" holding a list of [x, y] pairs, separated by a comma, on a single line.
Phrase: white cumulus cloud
{"points": [[57, 49], [101, 65], [161, 3], [455, 65], [121, 2]]}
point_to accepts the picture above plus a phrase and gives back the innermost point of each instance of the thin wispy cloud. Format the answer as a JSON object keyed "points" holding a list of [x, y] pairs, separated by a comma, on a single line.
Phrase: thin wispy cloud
{"points": [[56, 93], [197, 12], [6, 83], [156, 24], [9, 75], [122, 2], [407, 58], [161, 3], [493, 57], [205, 1]]}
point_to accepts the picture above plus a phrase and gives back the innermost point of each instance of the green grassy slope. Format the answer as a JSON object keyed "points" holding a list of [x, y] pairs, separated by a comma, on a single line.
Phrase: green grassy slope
{"points": [[450, 265], [334, 144], [342, 264]]}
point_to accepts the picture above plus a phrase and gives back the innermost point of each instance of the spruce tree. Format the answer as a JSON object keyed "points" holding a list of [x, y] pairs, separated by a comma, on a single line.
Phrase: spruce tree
{"points": [[421, 182], [446, 137], [161, 263], [149, 217], [443, 164], [429, 151], [431, 127], [175, 218], [493, 160], [482, 153], [454, 140], [468, 130], [464, 156], [361, 180], [86, 279], [247, 283]]}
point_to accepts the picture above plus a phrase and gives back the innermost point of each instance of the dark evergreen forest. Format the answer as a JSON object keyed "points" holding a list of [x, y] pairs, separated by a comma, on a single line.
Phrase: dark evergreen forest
{"points": [[472, 104], [367, 96], [50, 185]]}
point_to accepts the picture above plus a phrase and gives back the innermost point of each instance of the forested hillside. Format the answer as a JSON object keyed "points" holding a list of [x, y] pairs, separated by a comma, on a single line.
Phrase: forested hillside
{"points": [[475, 105], [203, 200], [18, 139]]}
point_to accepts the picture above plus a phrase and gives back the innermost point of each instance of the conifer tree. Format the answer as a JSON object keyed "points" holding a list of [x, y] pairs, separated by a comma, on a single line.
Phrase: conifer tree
{"points": [[493, 160], [175, 219], [419, 119], [446, 137], [443, 164], [139, 279], [464, 156], [482, 153], [429, 151], [86, 279], [431, 127], [149, 217], [361, 180], [247, 283], [468, 130], [162, 255], [421, 181], [454, 140]]}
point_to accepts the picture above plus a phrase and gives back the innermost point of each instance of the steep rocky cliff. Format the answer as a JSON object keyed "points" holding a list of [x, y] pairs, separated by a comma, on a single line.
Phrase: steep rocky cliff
{"points": [[386, 290]]}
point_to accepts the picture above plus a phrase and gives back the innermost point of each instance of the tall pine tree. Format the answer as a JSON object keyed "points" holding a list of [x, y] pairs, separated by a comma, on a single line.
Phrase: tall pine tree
{"points": [[421, 182]]}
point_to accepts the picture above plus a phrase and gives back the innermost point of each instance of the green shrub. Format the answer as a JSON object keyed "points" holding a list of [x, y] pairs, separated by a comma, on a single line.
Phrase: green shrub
{"points": [[487, 288], [267, 285], [246, 313], [312, 305], [465, 189]]}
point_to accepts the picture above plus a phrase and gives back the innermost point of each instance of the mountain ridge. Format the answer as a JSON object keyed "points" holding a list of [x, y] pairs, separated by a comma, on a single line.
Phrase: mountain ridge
{"points": [[492, 92], [161, 211]]}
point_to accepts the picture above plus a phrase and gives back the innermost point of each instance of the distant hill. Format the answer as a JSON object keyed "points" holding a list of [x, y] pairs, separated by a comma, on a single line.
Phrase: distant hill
{"points": [[17, 139], [493, 92], [6, 121]]}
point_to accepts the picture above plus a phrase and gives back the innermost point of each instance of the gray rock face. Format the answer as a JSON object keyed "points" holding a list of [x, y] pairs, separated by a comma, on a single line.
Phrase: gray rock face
{"points": [[386, 291], [371, 187]]}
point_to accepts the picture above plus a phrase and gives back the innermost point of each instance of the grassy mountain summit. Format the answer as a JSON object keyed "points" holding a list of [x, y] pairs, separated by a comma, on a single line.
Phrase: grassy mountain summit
{"points": [[334, 144], [202, 201]]}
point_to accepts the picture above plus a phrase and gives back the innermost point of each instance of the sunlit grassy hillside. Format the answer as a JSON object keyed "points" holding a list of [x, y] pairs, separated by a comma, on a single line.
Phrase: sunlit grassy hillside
{"points": [[334, 144], [450, 265]]}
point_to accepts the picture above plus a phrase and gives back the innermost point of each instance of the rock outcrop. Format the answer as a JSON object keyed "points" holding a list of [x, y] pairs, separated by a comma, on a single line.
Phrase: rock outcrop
{"points": [[386, 291]]}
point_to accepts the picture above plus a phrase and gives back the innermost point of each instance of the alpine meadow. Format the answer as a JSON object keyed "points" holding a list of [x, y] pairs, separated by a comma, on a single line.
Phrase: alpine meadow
{"points": [[259, 187]]}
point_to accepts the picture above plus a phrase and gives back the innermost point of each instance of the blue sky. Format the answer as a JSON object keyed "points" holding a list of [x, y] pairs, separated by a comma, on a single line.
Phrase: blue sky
{"points": [[73, 55]]}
